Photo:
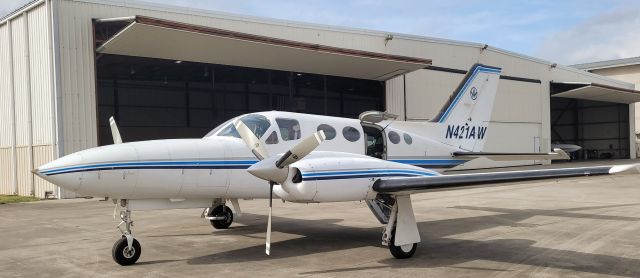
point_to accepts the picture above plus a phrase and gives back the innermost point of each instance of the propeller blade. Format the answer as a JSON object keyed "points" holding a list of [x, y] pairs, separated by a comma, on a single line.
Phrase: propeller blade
{"points": [[251, 140], [268, 243], [302, 149], [115, 133]]}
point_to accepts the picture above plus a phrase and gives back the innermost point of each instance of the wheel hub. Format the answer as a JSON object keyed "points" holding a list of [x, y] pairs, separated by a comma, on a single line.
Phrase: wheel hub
{"points": [[128, 252]]}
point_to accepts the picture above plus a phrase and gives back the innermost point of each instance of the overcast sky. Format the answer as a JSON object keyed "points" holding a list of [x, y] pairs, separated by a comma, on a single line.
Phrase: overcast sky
{"points": [[563, 31]]}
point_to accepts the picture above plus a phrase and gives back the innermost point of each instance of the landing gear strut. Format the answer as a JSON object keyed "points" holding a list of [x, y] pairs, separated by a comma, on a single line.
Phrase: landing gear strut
{"points": [[126, 250], [220, 216]]}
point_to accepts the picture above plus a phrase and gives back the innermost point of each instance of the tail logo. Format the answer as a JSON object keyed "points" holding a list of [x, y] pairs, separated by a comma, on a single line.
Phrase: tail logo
{"points": [[474, 93]]}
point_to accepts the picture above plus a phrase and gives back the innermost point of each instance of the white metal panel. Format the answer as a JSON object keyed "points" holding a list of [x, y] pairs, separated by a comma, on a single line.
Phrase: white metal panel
{"points": [[394, 96], [5, 88], [518, 102], [428, 91], [6, 186], [42, 155], [40, 66], [20, 78], [24, 173]]}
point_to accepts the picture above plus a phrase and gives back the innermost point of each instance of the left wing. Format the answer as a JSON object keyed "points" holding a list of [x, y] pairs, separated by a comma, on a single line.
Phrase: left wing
{"points": [[422, 184]]}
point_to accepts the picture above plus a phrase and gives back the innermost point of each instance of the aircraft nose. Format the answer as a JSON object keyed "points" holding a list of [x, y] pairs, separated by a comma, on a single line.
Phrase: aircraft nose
{"points": [[59, 171]]}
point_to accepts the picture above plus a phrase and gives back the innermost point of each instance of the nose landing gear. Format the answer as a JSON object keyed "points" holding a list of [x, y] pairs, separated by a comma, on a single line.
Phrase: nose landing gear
{"points": [[126, 250]]}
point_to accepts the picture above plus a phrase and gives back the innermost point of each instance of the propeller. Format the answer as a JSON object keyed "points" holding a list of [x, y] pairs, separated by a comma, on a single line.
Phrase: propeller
{"points": [[115, 133], [274, 169]]}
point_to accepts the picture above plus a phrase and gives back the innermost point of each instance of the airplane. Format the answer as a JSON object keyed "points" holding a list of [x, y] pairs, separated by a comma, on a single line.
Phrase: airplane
{"points": [[306, 159]]}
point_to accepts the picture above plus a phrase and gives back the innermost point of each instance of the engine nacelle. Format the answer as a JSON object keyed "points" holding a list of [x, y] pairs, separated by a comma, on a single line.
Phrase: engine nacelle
{"points": [[327, 178]]}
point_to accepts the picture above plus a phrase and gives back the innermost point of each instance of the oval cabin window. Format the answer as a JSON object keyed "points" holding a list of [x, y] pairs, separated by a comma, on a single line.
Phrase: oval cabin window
{"points": [[351, 134], [329, 131], [394, 137]]}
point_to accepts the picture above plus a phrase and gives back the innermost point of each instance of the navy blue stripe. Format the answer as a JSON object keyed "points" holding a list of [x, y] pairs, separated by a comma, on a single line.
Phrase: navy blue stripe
{"points": [[152, 167], [358, 177]]}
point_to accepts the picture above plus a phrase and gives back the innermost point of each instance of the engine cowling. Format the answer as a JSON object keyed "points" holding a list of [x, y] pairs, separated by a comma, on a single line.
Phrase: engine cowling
{"points": [[332, 178]]}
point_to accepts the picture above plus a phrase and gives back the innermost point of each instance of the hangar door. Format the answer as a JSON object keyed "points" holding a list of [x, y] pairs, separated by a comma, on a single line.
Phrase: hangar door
{"points": [[166, 79], [592, 116]]}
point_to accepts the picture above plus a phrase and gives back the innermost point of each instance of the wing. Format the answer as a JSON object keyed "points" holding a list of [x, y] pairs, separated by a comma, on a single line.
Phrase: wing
{"points": [[422, 184]]}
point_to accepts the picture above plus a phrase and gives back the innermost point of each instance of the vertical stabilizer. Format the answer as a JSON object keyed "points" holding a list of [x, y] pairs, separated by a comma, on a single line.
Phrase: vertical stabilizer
{"points": [[465, 117]]}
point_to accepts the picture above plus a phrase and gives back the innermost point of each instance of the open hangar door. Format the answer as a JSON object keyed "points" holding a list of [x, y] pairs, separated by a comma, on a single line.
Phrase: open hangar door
{"points": [[594, 117], [165, 79]]}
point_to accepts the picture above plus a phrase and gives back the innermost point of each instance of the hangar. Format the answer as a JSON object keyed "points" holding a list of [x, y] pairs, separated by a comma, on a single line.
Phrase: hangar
{"points": [[171, 72]]}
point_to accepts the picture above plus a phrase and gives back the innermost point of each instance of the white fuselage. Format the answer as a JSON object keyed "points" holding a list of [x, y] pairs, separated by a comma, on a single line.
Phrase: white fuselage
{"points": [[215, 166]]}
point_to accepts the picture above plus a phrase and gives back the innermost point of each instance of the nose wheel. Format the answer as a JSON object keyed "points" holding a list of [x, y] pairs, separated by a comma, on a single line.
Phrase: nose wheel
{"points": [[220, 217], [125, 255], [126, 250]]}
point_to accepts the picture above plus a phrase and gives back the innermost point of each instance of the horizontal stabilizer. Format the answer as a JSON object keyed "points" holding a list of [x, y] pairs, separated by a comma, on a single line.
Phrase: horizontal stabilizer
{"points": [[557, 154]]}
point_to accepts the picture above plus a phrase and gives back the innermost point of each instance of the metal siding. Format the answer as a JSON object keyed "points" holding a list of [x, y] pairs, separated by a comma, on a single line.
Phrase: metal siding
{"points": [[20, 80], [42, 155], [6, 187], [40, 65], [428, 91], [24, 173], [394, 96], [517, 102], [5, 89]]}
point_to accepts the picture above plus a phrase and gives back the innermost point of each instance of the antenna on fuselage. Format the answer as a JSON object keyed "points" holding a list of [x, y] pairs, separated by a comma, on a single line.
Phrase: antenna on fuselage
{"points": [[115, 133]]}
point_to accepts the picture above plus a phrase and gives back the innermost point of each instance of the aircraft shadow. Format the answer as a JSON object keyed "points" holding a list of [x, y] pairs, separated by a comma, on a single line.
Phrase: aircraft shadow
{"points": [[436, 248]]}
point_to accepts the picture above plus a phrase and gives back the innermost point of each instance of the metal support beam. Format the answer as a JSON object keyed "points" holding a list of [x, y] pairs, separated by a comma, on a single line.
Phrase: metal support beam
{"points": [[29, 104], [14, 157]]}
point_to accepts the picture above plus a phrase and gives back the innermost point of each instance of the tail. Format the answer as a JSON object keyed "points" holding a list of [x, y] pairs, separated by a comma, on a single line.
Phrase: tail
{"points": [[465, 117]]}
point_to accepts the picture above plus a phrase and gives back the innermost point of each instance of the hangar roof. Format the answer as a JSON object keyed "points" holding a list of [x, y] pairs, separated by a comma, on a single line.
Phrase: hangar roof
{"points": [[609, 64]]}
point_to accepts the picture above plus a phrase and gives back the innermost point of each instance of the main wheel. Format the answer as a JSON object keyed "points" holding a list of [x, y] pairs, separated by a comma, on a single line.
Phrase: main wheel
{"points": [[402, 251], [226, 213], [123, 255]]}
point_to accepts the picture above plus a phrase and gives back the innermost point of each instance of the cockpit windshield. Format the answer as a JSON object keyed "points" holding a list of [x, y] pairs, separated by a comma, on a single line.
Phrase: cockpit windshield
{"points": [[257, 123]]}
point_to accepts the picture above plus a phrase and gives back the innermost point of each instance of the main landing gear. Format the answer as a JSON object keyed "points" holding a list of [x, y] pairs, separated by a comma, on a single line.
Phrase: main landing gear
{"points": [[219, 215], [385, 208], [126, 250]]}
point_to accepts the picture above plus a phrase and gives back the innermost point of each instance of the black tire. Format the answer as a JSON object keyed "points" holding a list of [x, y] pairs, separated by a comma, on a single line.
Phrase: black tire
{"points": [[228, 217], [122, 256], [397, 251]]}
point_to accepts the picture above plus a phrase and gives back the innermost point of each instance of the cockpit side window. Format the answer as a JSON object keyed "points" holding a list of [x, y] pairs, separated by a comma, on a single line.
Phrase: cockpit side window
{"points": [[272, 139], [258, 124], [289, 129], [230, 131]]}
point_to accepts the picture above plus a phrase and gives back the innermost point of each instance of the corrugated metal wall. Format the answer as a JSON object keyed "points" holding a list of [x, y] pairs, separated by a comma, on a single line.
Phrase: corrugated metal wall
{"points": [[394, 96], [25, 74]]}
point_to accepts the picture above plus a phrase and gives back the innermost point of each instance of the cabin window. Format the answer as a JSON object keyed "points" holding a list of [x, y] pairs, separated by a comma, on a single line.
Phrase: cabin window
{"points": [[272, 139], [351, 134], [407, 139], [289, 129], [329, 131], [394, 137]]}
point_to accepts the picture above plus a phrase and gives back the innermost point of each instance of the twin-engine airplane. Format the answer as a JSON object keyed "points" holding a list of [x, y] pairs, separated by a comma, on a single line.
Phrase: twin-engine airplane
{"points": [[374, 159]]}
